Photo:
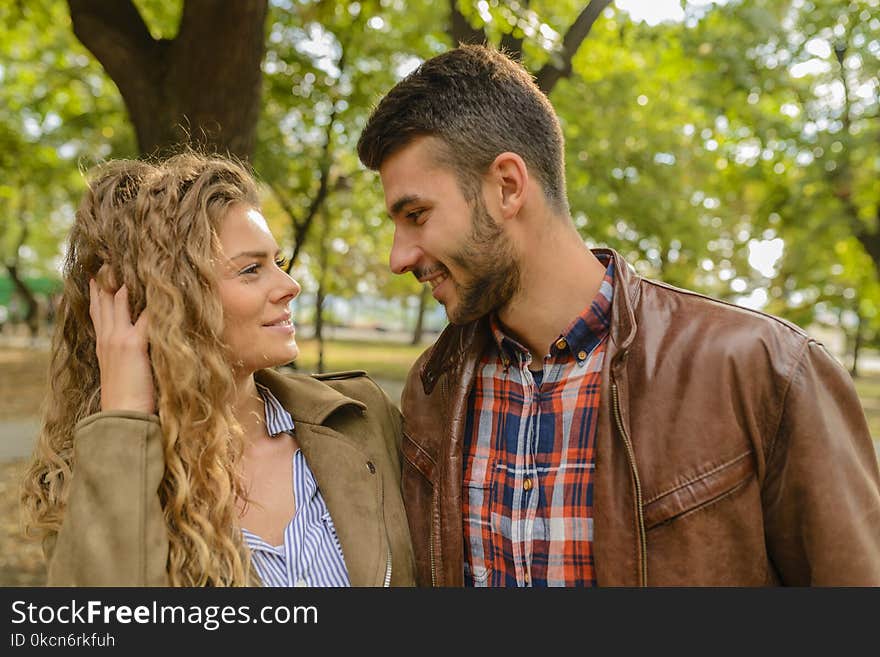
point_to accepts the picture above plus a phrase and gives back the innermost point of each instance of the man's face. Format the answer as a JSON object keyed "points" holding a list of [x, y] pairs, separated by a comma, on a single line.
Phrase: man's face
{"points": [[444, 240]]}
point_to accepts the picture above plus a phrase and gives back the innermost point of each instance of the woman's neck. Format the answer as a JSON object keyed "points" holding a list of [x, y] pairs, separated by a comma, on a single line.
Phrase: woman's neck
{"points": [[249, 410]]}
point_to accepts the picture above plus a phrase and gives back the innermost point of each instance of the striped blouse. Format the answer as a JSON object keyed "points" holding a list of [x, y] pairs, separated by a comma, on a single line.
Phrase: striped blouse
{"points": [[311, 554]]}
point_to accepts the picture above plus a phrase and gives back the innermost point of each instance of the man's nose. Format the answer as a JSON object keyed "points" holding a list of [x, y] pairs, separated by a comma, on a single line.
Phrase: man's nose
{"points": [[404, 254]]}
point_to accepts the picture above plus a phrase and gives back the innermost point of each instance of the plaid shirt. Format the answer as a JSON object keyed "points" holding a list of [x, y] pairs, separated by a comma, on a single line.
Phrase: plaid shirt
{"points": [[529, 461]]}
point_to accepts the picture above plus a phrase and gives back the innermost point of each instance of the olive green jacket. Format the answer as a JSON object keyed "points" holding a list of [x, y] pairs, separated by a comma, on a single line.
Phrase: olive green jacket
{"points": [[114, 533]]}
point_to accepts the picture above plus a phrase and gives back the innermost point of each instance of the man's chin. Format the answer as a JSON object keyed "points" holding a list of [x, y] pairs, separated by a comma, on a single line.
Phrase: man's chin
{"points": [[459, 317]]}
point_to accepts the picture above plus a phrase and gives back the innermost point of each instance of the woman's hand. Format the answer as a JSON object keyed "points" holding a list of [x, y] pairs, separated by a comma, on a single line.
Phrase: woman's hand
{"points": [[126, 374]]}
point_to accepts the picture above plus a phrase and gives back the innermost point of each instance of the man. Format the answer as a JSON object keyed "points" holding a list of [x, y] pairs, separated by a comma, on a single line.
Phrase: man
{"points": [[577, 424]]}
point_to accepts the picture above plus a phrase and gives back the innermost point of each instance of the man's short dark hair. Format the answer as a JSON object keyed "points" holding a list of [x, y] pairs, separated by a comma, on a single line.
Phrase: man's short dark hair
{"points": [[479, 103]]}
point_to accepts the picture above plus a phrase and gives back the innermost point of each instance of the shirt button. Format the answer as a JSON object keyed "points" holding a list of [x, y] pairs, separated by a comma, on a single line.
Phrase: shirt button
{"points": [[527, 580], [561, 344], [582, 354], [371, 467], [527, 484], [300, 582]]}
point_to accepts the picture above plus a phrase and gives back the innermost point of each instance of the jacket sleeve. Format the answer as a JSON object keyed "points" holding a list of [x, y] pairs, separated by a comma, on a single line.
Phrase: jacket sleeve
{"points": [[113, 532], [822, 490], [394, 435]]}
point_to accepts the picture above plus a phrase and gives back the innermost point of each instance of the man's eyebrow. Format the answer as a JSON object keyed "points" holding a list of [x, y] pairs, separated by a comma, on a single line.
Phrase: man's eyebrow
{"points": [[402, 202]]}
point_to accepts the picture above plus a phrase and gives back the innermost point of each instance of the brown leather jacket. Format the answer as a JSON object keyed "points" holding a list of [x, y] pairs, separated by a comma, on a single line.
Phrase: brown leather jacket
{"points": [[731, 450]]}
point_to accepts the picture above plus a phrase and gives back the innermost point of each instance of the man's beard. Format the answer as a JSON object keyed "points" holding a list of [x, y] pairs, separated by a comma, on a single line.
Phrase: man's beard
{"points": [[487, 256]]}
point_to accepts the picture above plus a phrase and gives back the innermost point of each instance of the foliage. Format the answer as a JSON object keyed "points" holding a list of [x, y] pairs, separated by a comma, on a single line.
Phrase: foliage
{"points": [[734, 152], [58, 112]]}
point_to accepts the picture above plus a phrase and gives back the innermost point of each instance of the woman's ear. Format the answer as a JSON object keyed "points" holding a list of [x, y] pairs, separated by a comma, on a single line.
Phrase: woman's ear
{"points": [[510, 177]]}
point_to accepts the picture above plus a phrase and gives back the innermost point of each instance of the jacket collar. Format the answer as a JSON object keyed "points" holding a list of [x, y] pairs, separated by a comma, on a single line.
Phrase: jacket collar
{"points": [[338, 461], [457, 343], [306, 399], [627, 294]]}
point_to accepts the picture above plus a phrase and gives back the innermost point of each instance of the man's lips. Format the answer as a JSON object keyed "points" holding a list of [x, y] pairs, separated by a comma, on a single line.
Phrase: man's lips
{"points": [[435, 278]]}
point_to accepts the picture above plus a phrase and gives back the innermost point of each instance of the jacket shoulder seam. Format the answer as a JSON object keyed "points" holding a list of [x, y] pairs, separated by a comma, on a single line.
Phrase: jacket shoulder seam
{"points": [[798, 361], [690, 293]]}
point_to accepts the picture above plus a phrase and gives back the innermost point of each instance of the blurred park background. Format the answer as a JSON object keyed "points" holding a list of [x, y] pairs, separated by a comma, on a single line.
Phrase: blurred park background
{"points": [[727, 147]]}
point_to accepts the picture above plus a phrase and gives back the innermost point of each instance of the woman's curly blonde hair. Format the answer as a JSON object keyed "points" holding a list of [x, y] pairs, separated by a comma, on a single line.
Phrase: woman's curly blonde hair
{"points": [[156, 225]]}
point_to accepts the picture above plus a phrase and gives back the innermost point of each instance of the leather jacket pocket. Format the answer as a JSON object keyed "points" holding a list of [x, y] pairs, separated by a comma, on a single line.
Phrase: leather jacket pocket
{"points": [[479, 548], [418, 458], [698, 491]]}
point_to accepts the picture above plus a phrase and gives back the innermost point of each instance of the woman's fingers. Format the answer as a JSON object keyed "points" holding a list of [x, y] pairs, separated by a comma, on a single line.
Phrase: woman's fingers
{"points": [[94, 306], [121, 314], [104, 282], [126, 374], [142, 325]]}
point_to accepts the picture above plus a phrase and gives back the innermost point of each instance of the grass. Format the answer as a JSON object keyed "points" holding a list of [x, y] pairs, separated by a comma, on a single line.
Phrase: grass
{"points": [[22, 372], [22, 385], [868, 388], [381, 360]]}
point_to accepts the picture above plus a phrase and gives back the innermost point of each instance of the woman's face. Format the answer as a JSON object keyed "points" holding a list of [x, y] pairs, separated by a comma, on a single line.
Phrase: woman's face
{"points": [[255, 292]]}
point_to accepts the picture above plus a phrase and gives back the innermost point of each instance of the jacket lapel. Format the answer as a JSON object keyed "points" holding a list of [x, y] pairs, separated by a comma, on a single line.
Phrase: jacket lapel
{"points": [[352, 491]]}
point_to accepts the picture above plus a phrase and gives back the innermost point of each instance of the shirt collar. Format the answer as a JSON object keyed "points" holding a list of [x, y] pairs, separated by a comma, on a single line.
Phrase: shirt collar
{"points": [[278, 420], [309, 400], [587, 330]]}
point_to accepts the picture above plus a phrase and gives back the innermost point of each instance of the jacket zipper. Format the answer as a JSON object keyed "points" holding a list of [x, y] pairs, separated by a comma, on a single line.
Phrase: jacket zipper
{"points": [[444, 383], [387, 582], [433, 568], [434, 510], [643, 543]]}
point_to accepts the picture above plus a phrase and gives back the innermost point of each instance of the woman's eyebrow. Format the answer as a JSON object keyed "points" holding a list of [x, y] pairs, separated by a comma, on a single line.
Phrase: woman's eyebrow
{"points": [[250, 254]]}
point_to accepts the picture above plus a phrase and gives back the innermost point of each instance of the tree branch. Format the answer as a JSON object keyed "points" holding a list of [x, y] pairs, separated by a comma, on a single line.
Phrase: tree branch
{"points": [[553, 71], [301, 227], [512, 44], [115, 33], [460, 30]]}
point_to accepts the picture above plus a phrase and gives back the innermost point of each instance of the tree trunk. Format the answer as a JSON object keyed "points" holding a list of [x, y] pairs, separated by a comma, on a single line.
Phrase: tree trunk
{"points": [[323, 260], [200, 88], [857, 346], [420, 318], [31, 315], [319, 324]]}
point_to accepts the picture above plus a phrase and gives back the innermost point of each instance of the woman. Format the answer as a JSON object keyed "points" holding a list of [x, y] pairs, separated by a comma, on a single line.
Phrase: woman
{"points": [[170, 452]]}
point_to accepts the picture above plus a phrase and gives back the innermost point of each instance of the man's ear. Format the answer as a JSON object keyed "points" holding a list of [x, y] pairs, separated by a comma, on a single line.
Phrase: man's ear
{"points": [[509, 177]]}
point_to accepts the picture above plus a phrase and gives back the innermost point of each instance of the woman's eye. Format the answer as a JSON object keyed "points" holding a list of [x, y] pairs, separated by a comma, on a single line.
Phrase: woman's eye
{"points": [[250, 269], [281, 262]]}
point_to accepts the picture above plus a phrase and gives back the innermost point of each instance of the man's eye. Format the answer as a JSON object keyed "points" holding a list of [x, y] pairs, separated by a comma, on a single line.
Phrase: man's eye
{"points": [[414, 215]]}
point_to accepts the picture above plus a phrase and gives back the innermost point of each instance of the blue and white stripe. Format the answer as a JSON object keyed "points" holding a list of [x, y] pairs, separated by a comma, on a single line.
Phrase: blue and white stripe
{"points": [[311, 554]]}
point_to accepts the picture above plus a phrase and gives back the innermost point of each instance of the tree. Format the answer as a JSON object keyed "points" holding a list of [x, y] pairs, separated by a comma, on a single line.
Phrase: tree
{"points": [[508, 23], [55, 110], [201, 86]]}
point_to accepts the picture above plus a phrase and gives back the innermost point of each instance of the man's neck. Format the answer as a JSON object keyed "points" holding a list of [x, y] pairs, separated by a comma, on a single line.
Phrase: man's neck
{"points": [[560, 278]]}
